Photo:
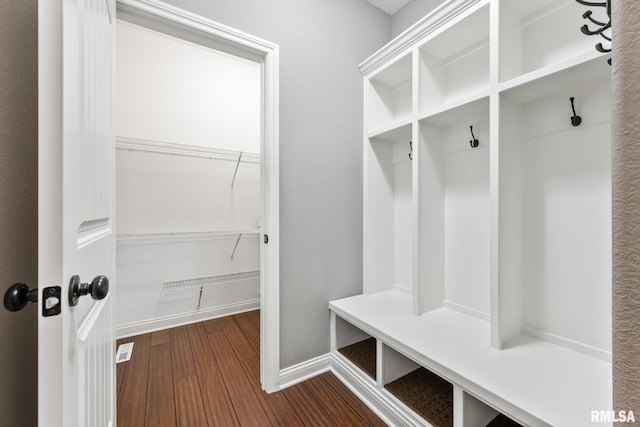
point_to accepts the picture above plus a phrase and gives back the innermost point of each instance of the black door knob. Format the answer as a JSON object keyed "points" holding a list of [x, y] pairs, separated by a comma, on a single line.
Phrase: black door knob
{"points": [[98, 289], [18, 295]]}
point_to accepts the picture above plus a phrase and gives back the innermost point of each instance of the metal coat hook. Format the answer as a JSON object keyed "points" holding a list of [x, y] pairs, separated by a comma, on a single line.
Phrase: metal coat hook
{"points": [[601, 27], [410, 150], [575, 119], [474, 141]]}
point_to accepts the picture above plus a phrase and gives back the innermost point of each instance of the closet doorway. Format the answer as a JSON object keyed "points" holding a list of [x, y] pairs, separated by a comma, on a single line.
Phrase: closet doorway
{"points": [[196, 175]]}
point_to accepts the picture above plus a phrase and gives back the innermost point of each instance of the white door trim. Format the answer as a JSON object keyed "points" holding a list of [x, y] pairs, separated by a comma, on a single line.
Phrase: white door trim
{"points": [[180, 23]]}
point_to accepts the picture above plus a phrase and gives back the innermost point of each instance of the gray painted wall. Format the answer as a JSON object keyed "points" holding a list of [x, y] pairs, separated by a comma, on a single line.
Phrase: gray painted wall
{"points": [[626, 208], [411, 13], [18, 207], [321, 45]]}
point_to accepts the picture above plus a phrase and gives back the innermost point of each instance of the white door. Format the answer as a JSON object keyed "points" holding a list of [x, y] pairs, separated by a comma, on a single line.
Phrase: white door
{"points": [[76, 212]]}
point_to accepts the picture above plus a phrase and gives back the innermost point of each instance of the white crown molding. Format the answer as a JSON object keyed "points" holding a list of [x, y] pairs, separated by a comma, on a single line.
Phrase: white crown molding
{"points": [[154, 13], [442, 15], [151, 146]]}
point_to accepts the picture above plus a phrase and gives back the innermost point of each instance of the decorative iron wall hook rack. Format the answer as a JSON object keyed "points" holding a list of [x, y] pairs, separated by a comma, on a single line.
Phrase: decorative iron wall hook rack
{"points": [[575, 119], [601, 27], [474, 141]]}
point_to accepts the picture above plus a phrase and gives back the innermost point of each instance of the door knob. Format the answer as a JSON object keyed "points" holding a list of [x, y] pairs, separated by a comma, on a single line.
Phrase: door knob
{"points": [[18, 295], [98, 289]]}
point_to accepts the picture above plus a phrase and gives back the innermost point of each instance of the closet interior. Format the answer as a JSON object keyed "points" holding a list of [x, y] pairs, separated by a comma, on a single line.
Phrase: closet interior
{"points": [[188, 181], [487, 220]]}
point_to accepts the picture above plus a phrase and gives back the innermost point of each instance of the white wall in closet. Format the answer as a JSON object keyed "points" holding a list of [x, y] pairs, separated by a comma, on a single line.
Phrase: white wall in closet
{"points": [[188, 123], [177, 91]]}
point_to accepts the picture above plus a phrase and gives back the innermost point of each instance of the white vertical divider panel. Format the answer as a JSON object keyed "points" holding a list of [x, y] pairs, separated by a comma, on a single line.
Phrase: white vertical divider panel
{"points": [[416, 226], [494, 172], [380, 363], [511, 232], [415, 175], [365, 190], [430, 219]]}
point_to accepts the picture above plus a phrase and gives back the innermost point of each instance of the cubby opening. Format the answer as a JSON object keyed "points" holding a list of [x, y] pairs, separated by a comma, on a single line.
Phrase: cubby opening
{"points": [[389, 212], [454, 211], [390, 95], [535, 34], [475, 413], [454, 65], [427, 394], [501, 420], [357, 346], [555, 196]]}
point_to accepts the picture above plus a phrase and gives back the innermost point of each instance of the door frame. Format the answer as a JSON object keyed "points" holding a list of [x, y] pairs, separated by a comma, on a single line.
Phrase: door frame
{"points": [[179, 23]]}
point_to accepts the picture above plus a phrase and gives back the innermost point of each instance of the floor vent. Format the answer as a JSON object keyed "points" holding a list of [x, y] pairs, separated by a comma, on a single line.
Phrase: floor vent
{"points": [[124, 352]]}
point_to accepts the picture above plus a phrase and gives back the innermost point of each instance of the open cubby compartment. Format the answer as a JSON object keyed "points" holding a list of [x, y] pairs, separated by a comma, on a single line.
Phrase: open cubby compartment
{"points": [[555, 212], [472, 411], [454, 211], [475, 413], [454, 64], [424, 392], [389, 94], [357, 346], [389, 212], [535, 34]]}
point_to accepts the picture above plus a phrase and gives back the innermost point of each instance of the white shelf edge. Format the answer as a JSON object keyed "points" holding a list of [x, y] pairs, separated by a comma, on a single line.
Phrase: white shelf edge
{"points": [[549, 70], [485, 93], [390, 127], [179, 237], [162, 147]]}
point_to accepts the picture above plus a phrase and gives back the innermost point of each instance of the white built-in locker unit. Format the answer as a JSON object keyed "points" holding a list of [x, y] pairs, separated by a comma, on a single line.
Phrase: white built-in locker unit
{"points": [[490, 266]]}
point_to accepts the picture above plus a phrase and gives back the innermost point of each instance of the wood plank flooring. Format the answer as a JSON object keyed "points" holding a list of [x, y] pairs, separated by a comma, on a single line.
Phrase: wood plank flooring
{"points": [[208, 375]]}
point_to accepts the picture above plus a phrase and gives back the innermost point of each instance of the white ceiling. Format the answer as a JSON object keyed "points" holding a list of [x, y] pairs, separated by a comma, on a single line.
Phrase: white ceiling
{"points": [[389, 6]]}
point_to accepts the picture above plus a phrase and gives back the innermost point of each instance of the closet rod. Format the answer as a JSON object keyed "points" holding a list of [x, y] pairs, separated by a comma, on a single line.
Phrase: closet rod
{"points": [[184, 150], [236, 246]]}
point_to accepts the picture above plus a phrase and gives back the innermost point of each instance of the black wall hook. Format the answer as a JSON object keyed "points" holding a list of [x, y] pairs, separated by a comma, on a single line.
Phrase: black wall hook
{"points": [[474, 141], [575, 119], [600, 27], [411, 150]]}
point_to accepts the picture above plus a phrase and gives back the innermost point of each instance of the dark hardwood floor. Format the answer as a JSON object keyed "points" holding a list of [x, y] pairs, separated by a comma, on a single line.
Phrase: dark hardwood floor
{"points": [[207, 374]]}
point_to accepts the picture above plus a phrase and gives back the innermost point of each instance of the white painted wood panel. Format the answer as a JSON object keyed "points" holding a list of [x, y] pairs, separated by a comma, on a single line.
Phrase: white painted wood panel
{"points": [[76, 210]]}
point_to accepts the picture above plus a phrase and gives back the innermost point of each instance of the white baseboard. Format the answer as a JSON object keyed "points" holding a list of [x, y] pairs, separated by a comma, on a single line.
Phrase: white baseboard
{"points": [[152, 325], [383, 404], [467, 310], [568, 343], [304, 371]]}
